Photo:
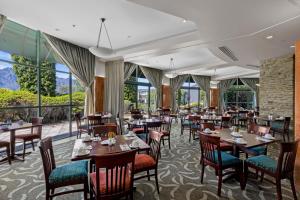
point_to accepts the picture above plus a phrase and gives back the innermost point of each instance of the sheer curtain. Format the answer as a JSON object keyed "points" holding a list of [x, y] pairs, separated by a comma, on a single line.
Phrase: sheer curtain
{"points": [[82, 65], [175, 84], [224, 85], [129, 69], [251, 83], [154, 76], [2, 22], [204, 83], [114, 87]]}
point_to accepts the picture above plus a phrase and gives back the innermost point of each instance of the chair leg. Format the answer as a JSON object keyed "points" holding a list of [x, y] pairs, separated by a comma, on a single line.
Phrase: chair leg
{"points": [[32, 144], [86, 190], [47, 194], [202, 172], [219, 182], [262, 177], [148, 175], [169, 140], [24, 148], [288, 135], [278, 187], [293, 187], [156, 181], [8, 154]]}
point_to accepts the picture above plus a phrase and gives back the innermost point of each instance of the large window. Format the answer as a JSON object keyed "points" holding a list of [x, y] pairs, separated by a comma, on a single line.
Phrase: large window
{"points": [[190, 95], [139, 93], [239, 95], [34, 83]]}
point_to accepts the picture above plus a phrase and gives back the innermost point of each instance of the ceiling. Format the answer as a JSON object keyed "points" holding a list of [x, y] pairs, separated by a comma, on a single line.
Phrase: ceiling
{"points": [[150, 32]]}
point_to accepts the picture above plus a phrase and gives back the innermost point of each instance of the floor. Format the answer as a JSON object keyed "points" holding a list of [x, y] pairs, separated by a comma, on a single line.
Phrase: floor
{"points": [[179, 176]]}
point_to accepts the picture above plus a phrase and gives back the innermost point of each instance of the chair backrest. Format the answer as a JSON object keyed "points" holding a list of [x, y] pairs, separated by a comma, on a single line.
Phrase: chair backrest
{"points": [[137, 116], [286, 126], [135, 111], [78, 117], [287, 157], [154, 143], [120, 125], [94, 120], [252, 127], [166, 126], [194, 118], [262, 130], [156, 125], [47, 155], [119, 171], [243, 113], [206, 125], [37, 130], [210, 146], [103, 130]]}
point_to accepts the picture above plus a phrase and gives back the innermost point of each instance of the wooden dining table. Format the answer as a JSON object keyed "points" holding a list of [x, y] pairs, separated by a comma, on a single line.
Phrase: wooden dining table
{"points": [[267, 119], [12, 129], [95, 148]]}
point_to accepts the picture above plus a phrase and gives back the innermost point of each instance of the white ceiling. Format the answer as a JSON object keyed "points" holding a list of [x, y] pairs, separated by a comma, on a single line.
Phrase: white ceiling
{"points": [[157, 31]]}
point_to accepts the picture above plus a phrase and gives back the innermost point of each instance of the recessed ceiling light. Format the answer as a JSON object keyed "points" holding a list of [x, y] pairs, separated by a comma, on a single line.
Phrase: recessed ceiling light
{"points": [[269, 37], [57, 29], [129, 36], [184, 21], [293, 46], [74, 25]]}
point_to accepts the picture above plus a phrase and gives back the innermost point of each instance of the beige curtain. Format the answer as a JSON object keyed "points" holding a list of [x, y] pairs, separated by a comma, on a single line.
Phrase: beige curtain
{"points": [[251, 83], [81, 64], [224, 85], [114, 87], [129, 69], [204, 83], [2, 22], [154, 76], [175, 84]]}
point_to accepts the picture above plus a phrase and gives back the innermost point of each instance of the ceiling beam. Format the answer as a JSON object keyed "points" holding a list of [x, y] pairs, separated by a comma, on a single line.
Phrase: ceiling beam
{"points": [[234, 75]]}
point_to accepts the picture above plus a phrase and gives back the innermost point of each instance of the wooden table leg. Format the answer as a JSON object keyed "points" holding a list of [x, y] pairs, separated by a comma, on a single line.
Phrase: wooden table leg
{"points": [[12, 143]]}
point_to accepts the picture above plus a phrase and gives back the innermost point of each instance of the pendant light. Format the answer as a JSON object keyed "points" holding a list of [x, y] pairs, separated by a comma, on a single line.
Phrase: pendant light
{"points": [[171, 74], [102, 51], [214, 84]]}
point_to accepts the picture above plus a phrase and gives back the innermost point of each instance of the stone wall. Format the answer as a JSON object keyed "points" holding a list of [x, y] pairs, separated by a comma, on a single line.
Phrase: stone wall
{"points": [[277, 86]]}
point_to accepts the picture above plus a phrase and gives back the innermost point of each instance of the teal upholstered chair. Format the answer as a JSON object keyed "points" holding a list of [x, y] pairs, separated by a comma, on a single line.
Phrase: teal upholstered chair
{"points": [[281, 127], [283, 168], [65, 175], [259, 150], [211, 155]]}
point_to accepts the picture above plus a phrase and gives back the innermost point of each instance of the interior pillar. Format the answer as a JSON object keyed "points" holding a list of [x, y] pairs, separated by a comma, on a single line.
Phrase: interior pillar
{"points": [[99, 94], [166, 97], [297, 111], [214, 97]]}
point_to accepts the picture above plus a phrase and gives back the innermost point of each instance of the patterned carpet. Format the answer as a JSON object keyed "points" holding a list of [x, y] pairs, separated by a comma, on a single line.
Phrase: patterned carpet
{"points": [[179, 177]]}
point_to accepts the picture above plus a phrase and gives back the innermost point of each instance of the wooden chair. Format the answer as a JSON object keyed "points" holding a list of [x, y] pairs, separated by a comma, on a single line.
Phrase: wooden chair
{"points": [[103, 130], [260, 150], [195, 125], [94, 120], [35, 133], [211, 155], [225, 122], [223, 145], [81, 128], [281, 127], [166, 130], [145, 162], [242, 117], [283, 168], [5, 144], [65, 175], [113, 176], [152, 126]]}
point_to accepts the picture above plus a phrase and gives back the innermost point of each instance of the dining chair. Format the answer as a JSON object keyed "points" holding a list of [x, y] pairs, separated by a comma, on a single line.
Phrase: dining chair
{"points": [[6, 145], [113, 176], [166, 130], [35, 134], [195, 125], [223, 145], [259, 150], [281, 127], [225, 122], [81, 128], [72, 173], [103, 130], [148, 162], [152, 126], [211, 155], [283, 168], [120, 124], [242, 117], [94, 120]]}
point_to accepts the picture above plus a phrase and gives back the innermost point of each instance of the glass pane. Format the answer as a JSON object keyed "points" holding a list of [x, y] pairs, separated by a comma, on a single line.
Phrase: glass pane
{"points": [[143, 98], [194, 97], [185, 84], [152, 99], [130, 96], [183, 98], [202, 98]]}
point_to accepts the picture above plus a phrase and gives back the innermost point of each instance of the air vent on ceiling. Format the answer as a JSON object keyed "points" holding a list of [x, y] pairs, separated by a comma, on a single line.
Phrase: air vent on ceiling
{"points": [[228, 53], [254, 66]]}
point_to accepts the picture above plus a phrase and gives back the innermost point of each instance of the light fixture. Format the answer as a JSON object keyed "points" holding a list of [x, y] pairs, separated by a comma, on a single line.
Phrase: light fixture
{"points": [[293, 46], [269, 37], [102, 51], [214, 83], [171, 74], [184, 21], [257, 84]]}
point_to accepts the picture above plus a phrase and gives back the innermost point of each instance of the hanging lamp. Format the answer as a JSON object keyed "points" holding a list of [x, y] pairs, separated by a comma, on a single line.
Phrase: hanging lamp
{"points": [[99, 51], [171, 74]]}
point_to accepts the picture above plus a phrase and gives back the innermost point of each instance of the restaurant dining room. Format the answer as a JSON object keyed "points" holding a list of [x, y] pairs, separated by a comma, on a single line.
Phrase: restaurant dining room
{"points": [[145, 99]]}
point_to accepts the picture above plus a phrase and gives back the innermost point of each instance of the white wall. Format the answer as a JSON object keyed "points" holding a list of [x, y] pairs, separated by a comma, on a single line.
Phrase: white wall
{"points": [[99, 68]]}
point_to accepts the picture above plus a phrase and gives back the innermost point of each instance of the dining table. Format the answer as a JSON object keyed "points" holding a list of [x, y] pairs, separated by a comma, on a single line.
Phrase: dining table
{"points": [[94, 147], [13, 128], [268, 119]]}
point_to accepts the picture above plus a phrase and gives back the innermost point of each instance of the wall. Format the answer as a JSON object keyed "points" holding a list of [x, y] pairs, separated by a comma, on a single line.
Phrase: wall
{"points": [[277, 86], [99, 68], [297, 111]]}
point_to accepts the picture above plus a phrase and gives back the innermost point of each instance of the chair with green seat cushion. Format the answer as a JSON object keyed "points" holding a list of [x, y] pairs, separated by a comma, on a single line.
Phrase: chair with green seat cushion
{"points": [[66, 175], [70, 171], [260, 150], [283, 168], [282, 127], [211, 155]]}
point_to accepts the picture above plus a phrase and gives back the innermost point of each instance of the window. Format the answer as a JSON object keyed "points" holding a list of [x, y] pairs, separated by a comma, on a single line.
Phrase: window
{"points": [[139, 93], [239, 95], [33, 81], [190, 95]]}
